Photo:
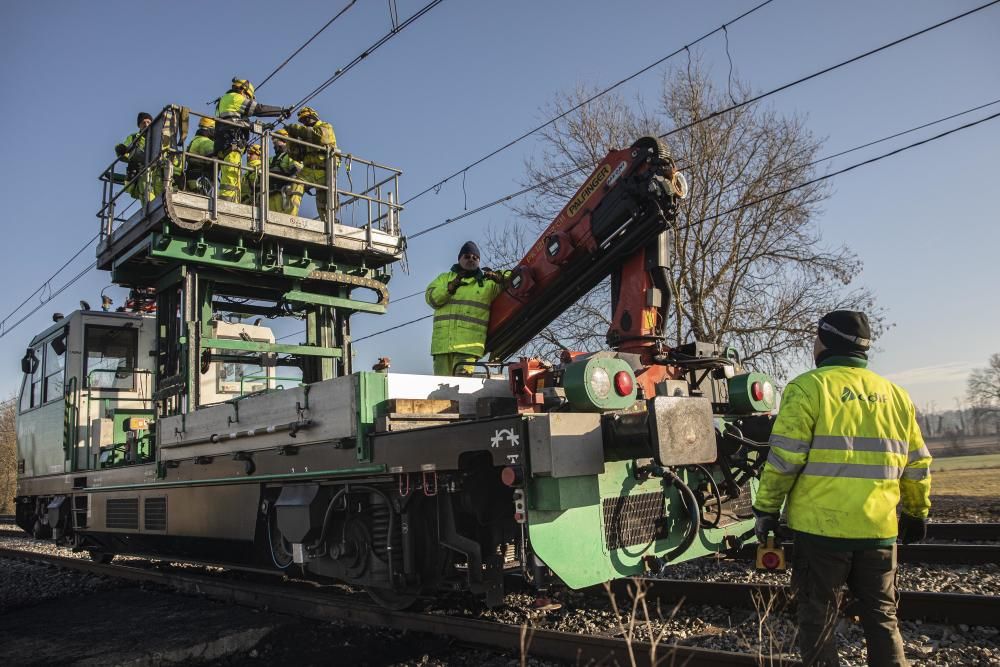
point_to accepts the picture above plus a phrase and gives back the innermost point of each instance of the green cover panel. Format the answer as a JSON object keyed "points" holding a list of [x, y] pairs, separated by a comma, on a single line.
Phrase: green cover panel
{"points": [[566, 525]]}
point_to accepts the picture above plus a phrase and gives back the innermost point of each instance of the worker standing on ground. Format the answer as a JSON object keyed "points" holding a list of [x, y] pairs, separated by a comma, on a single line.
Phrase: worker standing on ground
{"points": [[319, 133], [251, 179], [132, 151], [198, 173], [845, 450], [283, 195], [461, 300], [236, 106]]}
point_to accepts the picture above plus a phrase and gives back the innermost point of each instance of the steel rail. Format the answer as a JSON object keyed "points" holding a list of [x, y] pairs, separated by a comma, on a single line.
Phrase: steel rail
{"points": [[963, 531], [942, 554], [952, 608], [538, 643]]}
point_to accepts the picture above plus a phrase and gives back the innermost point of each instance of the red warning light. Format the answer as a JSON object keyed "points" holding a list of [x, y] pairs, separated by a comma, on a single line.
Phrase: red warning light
{"points": [[623, 383], [757, 391], [771, 560]]}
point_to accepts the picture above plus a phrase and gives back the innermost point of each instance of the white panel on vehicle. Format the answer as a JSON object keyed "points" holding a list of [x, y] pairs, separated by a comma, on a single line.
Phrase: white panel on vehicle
{"points": [[465, 390]]}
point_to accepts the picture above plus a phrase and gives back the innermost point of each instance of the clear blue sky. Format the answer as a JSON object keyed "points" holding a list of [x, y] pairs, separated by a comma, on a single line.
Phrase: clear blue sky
{"points": [[471, 75]]}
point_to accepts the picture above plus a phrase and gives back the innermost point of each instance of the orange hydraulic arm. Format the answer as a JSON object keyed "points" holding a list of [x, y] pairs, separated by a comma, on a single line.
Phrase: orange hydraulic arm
{"points": [[617, 224]]}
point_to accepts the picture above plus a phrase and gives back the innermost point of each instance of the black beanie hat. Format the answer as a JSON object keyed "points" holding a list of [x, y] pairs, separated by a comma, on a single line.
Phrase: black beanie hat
{"points": [[469, 247], [845, 332], [141, 117]]}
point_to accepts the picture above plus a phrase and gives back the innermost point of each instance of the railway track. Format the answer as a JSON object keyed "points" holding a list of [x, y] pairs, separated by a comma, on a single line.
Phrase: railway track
{"points": [[941, 554], [951, 608], [538, 643]]}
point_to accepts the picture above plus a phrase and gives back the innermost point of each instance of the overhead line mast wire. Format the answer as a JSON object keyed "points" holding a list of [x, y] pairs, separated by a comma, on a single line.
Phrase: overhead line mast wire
{"points": [[770, 196], [51, 296], [586, 102], [396, 29], [714, 114], [306, 43], [3, 322]]}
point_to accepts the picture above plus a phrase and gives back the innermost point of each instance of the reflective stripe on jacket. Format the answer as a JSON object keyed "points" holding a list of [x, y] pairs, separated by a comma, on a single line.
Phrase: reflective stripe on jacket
{"points": [[846, 450], [234, 106], [460, 319]]}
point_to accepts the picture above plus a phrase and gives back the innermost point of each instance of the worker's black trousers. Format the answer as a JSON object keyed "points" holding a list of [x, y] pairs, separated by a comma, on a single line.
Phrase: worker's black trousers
{"points": [[818, 577]]}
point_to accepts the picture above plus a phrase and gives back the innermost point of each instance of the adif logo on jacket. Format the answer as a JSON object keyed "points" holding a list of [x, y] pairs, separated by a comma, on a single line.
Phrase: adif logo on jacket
{"points": [[849, 394]]}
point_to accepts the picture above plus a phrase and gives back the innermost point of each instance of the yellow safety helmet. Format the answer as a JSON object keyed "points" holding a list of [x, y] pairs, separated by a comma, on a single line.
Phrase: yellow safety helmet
{"points": [[307, 112], [206, 123], [243, 86], [281, 131], [254, 148]]}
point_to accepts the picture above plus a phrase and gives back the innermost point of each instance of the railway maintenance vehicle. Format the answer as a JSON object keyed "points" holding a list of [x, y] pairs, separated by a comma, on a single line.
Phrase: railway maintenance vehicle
{"points": [[179, 426]]}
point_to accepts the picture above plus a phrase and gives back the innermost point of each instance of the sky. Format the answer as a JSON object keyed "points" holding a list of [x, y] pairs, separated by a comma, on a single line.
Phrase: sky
{"points": [[470, 76]]}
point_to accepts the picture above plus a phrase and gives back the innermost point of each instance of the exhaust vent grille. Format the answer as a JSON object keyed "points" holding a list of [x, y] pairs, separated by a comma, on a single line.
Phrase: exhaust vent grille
{"points": [[631, 520], [122, 513], [155, 513]]}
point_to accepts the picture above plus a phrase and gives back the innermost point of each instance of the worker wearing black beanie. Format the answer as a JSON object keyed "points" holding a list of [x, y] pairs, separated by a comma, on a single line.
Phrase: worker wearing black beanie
{"points": [[845, 452], [843, 333]]}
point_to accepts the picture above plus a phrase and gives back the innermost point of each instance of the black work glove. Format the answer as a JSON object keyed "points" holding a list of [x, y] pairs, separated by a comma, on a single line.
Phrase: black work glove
{"points": [[766, 523], [911, 529], [495, 276], [454, 284], [121, 150], [286, 112]]}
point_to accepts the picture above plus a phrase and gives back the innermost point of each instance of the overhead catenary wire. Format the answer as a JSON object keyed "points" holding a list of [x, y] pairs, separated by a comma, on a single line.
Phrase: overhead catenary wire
{"points": [[715, 114], [306, 43], [3, 322], [396, 29], [90, 267], [768, 197], [587, 101]]}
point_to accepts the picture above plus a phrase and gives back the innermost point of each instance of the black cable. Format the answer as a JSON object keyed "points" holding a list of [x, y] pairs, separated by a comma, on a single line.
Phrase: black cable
{"points": [[307, 42], [49, 298], [712, 115], [3, 322], [585, 102], [771, 196], [367, 52]]}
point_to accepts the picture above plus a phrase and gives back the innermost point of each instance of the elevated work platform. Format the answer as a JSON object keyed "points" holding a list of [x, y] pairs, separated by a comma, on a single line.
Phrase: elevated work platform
{"points": [[195, 258]]}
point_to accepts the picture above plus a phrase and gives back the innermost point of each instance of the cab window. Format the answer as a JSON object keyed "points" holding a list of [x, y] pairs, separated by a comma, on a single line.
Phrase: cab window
{"points": [[110, 355], [54, 371]]}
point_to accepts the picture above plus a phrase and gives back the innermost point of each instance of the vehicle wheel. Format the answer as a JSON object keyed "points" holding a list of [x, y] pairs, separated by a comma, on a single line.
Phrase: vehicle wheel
{"points": [[390, 599], [101, 556]]}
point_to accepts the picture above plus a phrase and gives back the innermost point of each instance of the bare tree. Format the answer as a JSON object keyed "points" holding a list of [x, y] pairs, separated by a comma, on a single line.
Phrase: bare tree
{"points": [[750, 268], [8, 456], [983, 392]]}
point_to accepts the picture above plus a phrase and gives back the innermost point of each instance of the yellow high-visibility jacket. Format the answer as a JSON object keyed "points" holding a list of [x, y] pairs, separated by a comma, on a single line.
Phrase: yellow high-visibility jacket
{"points": [[461, 319], [320, 134], [845, 450]]}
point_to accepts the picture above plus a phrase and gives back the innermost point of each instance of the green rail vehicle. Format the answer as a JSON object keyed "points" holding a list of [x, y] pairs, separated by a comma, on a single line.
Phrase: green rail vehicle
{"points": [[181, 427]]}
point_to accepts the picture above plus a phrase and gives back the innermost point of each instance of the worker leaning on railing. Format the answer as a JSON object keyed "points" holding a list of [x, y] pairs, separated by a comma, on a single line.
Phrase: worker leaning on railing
{"points": [[251, 177], [132, 151], [236, 106]]}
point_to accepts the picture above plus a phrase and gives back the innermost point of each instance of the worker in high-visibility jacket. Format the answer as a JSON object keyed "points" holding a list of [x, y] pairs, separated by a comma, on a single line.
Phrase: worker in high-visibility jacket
{"points": [[198, 172], [231, 138], [319, 133], [461, 299], [251, 179], [845, 450], [284, 195], [132, 151]]}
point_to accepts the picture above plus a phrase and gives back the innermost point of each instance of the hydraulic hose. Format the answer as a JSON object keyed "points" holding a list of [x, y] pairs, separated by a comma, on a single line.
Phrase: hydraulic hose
{"points": [[718, 499], [691, 505]]}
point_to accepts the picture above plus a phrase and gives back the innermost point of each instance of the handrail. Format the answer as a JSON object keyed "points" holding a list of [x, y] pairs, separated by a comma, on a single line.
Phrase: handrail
{"points": [[165, 151]]}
